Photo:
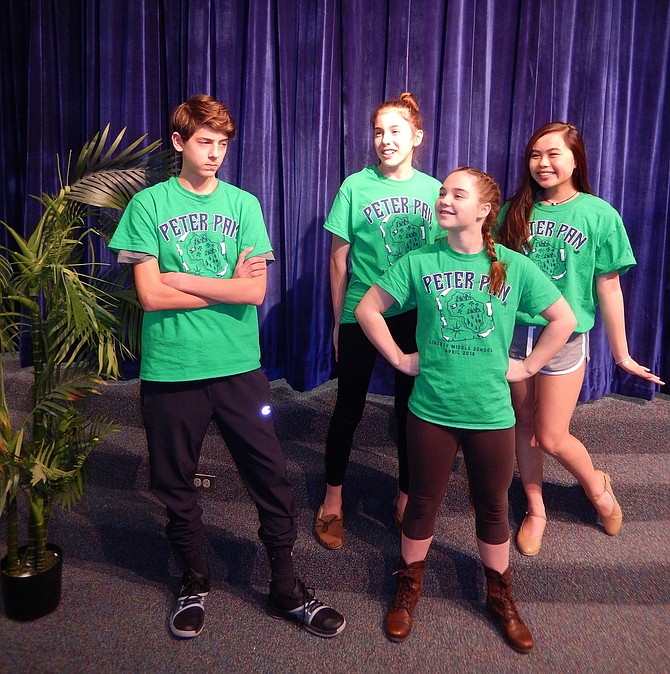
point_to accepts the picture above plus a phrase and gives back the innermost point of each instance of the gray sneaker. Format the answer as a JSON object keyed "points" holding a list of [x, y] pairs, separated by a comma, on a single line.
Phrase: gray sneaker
{"points": [[301, 607], [188, 617]]}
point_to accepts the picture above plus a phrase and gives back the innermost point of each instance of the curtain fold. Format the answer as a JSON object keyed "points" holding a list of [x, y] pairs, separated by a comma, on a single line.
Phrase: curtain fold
{"points": [[310, 129], [302, 78]]}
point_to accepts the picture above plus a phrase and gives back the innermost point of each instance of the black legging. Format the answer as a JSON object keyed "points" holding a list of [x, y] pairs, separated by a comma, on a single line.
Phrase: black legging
{"points": [[356, 360], [489, 460]]}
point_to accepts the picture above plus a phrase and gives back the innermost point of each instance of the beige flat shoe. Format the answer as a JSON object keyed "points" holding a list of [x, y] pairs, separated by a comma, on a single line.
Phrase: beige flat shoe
{"points": [[528, 545], [612, 523], [329, 530]]}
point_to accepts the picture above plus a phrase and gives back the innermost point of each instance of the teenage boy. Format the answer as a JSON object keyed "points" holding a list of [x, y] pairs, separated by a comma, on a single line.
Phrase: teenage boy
{"points": [[188, 239]]}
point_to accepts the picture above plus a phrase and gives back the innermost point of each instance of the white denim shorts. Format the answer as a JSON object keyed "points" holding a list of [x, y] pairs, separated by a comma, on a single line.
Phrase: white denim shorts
{"points": [[567, 360]]}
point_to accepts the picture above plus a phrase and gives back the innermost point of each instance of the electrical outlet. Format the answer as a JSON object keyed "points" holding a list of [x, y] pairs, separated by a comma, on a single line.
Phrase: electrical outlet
{"points": [[204, 482]]}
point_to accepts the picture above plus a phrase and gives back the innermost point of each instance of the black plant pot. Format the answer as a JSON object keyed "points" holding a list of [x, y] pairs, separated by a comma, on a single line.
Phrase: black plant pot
{"points": [[31, 597]]}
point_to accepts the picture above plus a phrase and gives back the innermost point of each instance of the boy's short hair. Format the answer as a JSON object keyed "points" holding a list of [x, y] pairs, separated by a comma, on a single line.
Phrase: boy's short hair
{"points": [[202, 110]]}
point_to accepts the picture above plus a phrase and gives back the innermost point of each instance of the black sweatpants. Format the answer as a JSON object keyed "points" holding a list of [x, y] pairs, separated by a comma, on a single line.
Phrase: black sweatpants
{"points": [[176, 418], [356, 361]]}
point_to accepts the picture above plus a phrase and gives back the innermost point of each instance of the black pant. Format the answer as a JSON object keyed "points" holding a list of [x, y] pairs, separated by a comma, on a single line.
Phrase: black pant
{"points": [[356, 360], [489, 460], [176, 418]]}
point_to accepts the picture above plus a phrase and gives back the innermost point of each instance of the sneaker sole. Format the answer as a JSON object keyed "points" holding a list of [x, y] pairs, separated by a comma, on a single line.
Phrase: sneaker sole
{"points": [[185, 635], [306, 626]]}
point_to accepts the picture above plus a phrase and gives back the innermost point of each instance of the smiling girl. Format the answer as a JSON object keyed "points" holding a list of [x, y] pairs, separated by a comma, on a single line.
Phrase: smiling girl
{"points": [[379, 214], [579, 241], [467, 291]]}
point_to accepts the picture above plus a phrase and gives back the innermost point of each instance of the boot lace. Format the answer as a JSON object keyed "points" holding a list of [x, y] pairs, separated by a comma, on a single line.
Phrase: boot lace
{"points": [[405, 591], [506, 604]]}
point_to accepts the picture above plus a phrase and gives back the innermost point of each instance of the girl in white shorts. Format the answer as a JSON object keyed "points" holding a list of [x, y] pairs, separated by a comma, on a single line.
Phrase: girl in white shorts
{"points": [[580, 242]]}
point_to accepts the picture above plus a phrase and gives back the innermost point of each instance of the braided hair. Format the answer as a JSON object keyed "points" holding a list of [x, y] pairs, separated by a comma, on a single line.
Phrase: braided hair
{"points": [[489, 193]]}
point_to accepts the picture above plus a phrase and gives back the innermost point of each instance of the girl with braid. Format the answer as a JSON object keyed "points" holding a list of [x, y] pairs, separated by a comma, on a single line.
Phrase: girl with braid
{"points": [[580, 243], [467, 291]]}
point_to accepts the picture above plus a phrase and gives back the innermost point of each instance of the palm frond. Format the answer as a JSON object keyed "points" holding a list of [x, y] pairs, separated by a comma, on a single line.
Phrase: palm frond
{"points": [[91, 151], [57, 401], [109, 188], [92, 160]]}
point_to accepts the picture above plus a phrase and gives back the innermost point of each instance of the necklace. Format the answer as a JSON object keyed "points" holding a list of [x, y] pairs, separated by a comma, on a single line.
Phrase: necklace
{"points": [[556, 203]]}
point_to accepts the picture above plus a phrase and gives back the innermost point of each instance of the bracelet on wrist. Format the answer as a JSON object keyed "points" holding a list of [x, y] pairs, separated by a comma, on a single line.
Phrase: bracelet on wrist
{"points": [[623, 360]]}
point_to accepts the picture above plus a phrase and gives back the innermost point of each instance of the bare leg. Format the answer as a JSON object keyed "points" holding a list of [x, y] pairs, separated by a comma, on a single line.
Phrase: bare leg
{"points": [[332, 502], [414, 551], [495, 557], [556, 398], [529, 457]]}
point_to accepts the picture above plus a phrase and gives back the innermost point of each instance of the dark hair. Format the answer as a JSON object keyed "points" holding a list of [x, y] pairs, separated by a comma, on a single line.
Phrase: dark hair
{"points": [[202, 110], [515, 230], [489, 193], [406, 105]]}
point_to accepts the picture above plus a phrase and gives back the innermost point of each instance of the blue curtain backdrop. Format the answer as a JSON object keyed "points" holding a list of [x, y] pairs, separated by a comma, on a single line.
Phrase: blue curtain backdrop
{"points": [[302, 77]]}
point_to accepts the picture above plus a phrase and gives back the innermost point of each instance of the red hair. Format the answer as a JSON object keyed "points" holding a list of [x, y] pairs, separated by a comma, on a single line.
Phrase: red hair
{"points": [[406, 105], [489, 193], [202, 110]]}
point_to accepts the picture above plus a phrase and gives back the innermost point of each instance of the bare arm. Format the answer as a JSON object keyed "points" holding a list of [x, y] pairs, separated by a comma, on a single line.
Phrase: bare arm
{"points": [[249, 266], [154, 295], [369, 315], [339, 255], [247, 286], [561, 323], [610, 297]]}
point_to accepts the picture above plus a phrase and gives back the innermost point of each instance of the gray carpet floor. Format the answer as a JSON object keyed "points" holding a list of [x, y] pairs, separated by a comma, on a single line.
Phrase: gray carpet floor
{"points": [[594, 603]]}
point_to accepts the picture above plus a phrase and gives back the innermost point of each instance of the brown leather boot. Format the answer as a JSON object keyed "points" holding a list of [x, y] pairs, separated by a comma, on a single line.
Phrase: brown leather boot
{"points": [[501, 606], [399, 617]]}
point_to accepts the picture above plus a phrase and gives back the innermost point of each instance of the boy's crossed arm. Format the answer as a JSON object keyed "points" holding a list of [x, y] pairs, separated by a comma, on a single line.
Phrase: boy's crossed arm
{"points": [[176, 290]]}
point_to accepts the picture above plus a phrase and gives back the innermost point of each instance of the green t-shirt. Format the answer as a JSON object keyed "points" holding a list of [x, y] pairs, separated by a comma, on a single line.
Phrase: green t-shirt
{"points": [[464, 333], [382, 220], [201, 235], [573, 243]]}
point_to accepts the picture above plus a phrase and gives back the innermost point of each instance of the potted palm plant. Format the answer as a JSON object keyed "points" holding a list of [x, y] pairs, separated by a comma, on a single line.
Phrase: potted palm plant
{"points": [[55, 293]]}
